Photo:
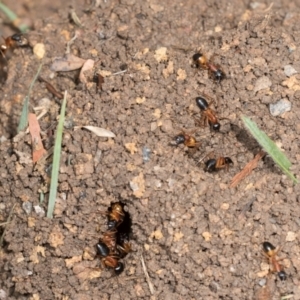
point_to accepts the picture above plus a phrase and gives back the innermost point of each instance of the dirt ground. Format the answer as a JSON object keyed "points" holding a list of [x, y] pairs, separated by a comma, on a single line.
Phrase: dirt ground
{"points": [[200, 239]]}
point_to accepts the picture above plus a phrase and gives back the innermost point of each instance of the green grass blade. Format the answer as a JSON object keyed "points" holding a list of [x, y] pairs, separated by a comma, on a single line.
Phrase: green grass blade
{"points": [[24, 114], [270, 147], [56, 159], [12, 17]]}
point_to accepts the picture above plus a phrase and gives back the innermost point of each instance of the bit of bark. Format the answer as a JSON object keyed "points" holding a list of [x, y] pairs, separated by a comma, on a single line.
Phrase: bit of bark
{"points": [[247, 169], [51, 88]]}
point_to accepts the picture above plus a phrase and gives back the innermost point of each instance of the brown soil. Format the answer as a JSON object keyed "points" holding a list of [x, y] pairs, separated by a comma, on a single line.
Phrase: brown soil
{"points": [[199, 238]]}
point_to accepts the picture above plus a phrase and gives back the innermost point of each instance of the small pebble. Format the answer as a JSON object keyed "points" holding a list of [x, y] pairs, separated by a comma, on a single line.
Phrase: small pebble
{"points": [[3, 294], [146, 154], [289, 70], [39, 211], [134, 186], [27, 206], [280, 107], [262, 282], [39, 50], [262, 83]]}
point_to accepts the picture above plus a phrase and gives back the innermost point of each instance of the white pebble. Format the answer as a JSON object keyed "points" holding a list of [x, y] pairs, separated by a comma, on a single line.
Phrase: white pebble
{"points": [[134, 186], [289, 70], [280, 107], [27, 206], [39, 211], [3, 294]]}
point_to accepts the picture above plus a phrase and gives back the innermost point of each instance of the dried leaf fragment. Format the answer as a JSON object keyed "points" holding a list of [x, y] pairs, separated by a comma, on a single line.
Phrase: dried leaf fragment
{"points": [[67, 63], [87, 66], [100, 131], [247, 169], [37, 146]]}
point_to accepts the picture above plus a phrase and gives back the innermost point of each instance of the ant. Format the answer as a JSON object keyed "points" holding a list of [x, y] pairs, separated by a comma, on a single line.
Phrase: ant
{"points": [[124, 249], [186, 139], [270, 252], [209, 116], [216, 164], [12, 42], [115, 216], [110, 239], [109, 258], [201, 61]]}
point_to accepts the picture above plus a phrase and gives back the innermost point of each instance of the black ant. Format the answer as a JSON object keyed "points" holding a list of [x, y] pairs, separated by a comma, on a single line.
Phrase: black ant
{"points": [[201, 61], [215, 164], [208, 115], [270, 252]]}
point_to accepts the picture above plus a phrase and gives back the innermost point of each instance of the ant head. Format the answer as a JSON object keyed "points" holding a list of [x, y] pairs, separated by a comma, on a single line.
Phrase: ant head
{"points": [[112, 224], [202, 103], [282, 275], [196, 56], [219, 75], [216, 126], [268, 247], [179, 139], [119, 268], [19, 39], [228, 160]]}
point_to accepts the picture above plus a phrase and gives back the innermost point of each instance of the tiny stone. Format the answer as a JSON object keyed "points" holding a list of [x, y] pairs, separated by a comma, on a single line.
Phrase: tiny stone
{"points": [[262, 83], [39, 50], [291, 236], [134, 186], [27, 206], [289, 70], [146, 154], [167, 126], [3, 294], [39, 211], [280, 107], [262, 282]]}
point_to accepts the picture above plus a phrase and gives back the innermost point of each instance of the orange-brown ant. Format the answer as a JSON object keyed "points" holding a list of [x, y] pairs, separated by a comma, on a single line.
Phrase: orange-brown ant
{"points": [[186, 139], [215, 164], [271, 252], [115, 216], [109, 258], [12, 42], [109, 238], [124, 249], [208, 115], [201, 61]]}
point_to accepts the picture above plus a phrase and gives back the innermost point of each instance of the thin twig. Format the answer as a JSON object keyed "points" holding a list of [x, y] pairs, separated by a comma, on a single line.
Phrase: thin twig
{"points": [[147, 275], [51, 88], [8, 220], [118, 73], [252, 164]]}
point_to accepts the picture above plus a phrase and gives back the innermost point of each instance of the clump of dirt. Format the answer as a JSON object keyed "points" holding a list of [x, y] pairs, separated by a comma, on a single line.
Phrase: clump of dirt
{"points": [[199, 238]]}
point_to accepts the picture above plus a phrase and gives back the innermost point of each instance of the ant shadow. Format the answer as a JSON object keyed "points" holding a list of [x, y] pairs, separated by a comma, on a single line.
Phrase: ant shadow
{"points": [[253, 146]]}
